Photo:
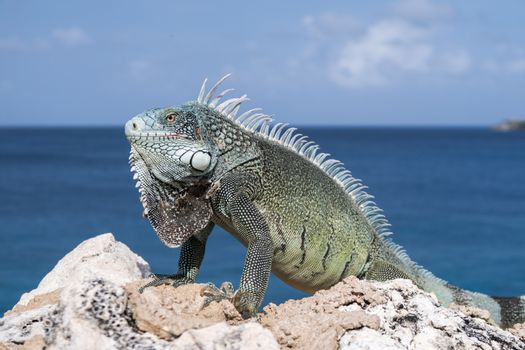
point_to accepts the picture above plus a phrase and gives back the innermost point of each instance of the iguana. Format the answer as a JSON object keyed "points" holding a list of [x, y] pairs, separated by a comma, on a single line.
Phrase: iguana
{"points": [[301, 214]]}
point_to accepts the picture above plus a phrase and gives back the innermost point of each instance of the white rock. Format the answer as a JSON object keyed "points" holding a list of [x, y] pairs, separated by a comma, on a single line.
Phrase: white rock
{"points": [[368, 339], [99, 257], [413, 319], [92, 311], [19, 327], [95, 311], [222, 336], [92, 315]]}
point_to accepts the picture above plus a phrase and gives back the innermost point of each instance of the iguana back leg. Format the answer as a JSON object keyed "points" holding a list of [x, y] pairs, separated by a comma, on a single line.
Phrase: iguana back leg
{"points": [[384, 271]]}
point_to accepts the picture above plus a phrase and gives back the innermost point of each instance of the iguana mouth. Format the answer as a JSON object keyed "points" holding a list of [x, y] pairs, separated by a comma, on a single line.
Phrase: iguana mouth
{"points": [[156, 136]]}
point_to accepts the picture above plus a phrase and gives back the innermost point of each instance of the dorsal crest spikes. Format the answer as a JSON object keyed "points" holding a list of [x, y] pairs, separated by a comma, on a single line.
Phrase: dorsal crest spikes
{"points": [[260, 124], [216, 100], [276, 130]]}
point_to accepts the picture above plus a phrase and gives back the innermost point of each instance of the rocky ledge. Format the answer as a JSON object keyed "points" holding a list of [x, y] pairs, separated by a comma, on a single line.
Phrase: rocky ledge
{"points": [[90, 301]]}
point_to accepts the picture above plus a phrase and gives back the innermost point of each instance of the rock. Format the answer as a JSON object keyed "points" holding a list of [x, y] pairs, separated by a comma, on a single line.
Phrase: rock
{"points": [[473, 311], [511, 125], [153, 310], [37, 301], [518, 330], [98, 314], [100, 308], [223, 336], [358, 314], [90, 300], [318, 321], [413, 319], [98, 257]]}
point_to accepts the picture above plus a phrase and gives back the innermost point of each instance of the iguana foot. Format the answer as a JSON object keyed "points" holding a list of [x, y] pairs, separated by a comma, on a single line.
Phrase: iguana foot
{"points": [[212, 293], [244, 302], [174, 280]]}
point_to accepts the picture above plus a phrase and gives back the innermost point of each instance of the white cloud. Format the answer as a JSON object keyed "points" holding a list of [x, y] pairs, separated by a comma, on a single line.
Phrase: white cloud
{"points": [[72, 36], [388, 47], [391, 48], [407, 41], [421, 10]]}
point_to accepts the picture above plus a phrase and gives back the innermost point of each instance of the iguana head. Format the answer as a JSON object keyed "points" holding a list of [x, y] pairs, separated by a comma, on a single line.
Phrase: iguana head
{"points": [[172, 161], [171, 143]]}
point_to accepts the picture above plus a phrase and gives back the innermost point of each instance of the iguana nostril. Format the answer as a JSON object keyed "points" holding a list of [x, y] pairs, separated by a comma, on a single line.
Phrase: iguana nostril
{"points": [[134, 125]]}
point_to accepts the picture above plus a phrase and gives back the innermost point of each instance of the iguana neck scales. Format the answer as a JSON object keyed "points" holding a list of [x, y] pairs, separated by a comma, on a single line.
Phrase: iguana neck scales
{"points": [[300, 213]]}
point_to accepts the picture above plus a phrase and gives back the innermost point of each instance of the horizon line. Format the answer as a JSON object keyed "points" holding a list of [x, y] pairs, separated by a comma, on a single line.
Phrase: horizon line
{"points": [[327, 126]]}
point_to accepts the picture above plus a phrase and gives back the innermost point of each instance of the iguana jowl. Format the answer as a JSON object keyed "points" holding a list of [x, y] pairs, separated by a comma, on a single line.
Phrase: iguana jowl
{"points": [[300, 213]]}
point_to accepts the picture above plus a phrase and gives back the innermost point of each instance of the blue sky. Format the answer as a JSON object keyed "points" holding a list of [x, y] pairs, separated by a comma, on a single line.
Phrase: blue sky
{"points": [[399, 62]]}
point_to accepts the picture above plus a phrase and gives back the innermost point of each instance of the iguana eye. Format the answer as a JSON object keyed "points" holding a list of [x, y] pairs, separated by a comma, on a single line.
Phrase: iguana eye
{"points": [[170, 118]]}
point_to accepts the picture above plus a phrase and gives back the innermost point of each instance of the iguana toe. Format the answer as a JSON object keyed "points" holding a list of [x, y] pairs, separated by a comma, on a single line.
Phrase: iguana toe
{"points": [[244, 302], [174, 280], [212, 293]]}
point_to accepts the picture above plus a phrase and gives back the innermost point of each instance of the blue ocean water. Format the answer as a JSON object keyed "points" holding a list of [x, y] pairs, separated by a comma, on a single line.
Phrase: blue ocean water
{"points": [[455, 199]]}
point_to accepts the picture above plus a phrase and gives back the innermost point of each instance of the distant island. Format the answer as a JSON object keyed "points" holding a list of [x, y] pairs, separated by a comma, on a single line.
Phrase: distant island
{"points": [[510, 125]]}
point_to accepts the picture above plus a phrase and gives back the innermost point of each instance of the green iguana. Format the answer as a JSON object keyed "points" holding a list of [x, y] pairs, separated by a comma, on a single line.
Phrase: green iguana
{"points": [[301, 215]]}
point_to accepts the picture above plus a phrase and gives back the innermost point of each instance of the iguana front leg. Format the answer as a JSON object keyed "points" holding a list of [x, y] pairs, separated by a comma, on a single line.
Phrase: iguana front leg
{"points": [[251, 225], [252, 228], [191, 256]]}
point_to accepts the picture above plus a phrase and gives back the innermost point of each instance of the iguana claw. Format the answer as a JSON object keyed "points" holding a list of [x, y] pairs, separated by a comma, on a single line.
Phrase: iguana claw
{"points": [[174, 280], [212, 293], [241, 300]]}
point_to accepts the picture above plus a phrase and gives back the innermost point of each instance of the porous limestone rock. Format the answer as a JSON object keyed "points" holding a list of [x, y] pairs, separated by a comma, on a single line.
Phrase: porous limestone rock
{"points": [[518, 330], [317, 322], [413, 319], [153, 311], [97, 314], [99, 257], [356, 314], [107, 312], [97, 309]]}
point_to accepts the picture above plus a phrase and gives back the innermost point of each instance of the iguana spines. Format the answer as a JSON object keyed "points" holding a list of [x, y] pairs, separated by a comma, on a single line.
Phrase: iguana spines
{"points": [[258, 124]]}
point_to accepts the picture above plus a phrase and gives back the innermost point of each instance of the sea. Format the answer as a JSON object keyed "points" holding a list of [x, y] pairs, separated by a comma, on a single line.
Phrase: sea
{"points": [[455, 198]]}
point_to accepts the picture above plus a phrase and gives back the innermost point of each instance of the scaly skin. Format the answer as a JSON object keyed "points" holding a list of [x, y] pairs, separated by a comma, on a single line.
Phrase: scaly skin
{"points": [[300, 215]]}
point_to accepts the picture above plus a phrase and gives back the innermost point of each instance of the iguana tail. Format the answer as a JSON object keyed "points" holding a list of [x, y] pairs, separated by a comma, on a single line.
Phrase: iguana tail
{"points": [[395, 263], [512, 310], [506, 311]]}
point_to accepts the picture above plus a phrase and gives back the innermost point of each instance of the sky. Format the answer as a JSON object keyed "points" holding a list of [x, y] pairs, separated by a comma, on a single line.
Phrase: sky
{"points": [[356, 63]]}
